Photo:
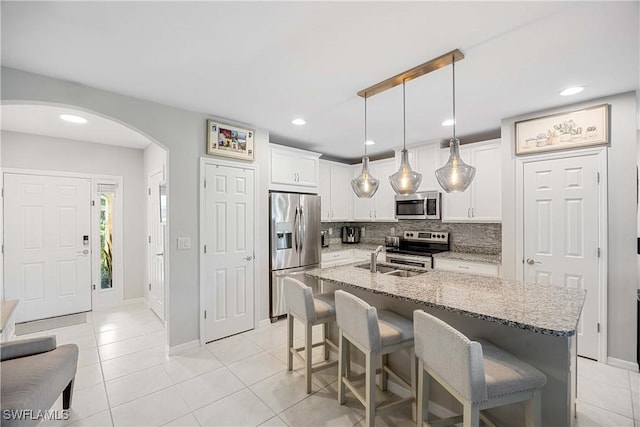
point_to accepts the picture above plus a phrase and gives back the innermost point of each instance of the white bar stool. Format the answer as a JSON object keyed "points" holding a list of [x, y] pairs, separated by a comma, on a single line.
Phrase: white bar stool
{"points": [[376, 334], [477, 373], [311, 310]]}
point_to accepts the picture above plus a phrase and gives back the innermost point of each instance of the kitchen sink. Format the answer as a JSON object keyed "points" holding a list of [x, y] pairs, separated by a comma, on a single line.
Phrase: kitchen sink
{"points": [[392, 271]]}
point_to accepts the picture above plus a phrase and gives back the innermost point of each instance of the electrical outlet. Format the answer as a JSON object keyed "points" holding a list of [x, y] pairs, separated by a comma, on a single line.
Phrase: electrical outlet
{"points": [[362, 232], [331, 234], [184, 243]]}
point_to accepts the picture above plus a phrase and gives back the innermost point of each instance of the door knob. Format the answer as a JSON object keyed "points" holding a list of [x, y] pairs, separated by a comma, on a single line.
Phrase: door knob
{"points": [[532, 261], [84, 252], [248, 258]]}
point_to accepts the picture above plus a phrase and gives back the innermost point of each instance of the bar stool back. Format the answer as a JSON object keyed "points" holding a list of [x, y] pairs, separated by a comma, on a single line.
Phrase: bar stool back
{"points": [[376, 334], [310, 310], [477, 373]]}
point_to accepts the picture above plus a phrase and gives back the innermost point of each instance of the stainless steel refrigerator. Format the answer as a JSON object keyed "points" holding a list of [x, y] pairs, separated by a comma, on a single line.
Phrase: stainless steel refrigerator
{"points": [[295, 243]]}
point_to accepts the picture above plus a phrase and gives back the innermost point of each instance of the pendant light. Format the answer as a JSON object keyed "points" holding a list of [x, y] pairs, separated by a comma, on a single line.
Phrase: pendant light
{"points": [[455, 176], [405, 181], [365, 185]]}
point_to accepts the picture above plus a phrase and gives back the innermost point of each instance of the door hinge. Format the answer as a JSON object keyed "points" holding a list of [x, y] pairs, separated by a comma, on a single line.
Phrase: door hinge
{"points": [[205, 314], [93, 203], [149, 239], [598, 326], [205, 249], [598, 177], [598, 252], [149, 286], [149, 191], [205, 183], [94, 286], [3, 192]]}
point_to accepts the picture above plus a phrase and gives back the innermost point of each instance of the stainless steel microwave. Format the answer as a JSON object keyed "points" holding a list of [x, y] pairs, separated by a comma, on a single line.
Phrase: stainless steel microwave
{"points": [[424, 205]]}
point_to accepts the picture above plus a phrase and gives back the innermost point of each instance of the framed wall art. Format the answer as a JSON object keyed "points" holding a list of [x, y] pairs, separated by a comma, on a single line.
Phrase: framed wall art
{"points": [[230, 141], [563, 131]]}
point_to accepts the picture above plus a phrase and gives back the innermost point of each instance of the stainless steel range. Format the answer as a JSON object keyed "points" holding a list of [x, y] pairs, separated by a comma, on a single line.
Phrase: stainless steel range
{"points": [[415, 248]]}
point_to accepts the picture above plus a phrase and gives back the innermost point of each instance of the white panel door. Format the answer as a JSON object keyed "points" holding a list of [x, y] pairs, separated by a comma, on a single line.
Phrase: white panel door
{"points": [[229, 254], [156, 244], [47, 223], [561, 234]]}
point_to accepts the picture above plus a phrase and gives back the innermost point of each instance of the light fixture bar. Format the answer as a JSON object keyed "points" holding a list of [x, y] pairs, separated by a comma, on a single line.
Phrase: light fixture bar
{"points": [[427, 67]]}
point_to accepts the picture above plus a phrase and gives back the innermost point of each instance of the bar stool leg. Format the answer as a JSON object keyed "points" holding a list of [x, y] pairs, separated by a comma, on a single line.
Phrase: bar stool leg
{"points": [[422, 398], [533, 410], [289, 341], [384, 377], [342, 366], [370, 397], [471, 415], [308, 349], [325, 332], [413, 382]]}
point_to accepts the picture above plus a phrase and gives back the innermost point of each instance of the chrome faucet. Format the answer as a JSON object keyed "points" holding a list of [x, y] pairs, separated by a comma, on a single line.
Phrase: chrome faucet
{"points": [[374, 258]]}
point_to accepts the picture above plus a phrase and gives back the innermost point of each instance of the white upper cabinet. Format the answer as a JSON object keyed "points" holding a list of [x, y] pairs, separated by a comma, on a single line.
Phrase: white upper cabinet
{"points": [[424, 159], [293, 169], [482, 201], [381, 207], [335, 191]]}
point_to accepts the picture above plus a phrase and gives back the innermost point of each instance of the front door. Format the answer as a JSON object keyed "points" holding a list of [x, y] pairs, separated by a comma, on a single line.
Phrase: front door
{"points": [[47, 223], [156, 241], [561, 234], [229, 250]]}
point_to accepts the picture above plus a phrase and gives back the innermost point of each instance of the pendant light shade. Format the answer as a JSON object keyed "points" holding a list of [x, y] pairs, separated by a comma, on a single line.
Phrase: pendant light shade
{"points": [[365, 185], [455, 176], [405, 181]]}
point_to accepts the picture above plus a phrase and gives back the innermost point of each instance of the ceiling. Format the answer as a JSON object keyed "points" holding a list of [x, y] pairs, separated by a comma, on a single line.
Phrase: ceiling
{"points": [[45, 120], [265, 63]]}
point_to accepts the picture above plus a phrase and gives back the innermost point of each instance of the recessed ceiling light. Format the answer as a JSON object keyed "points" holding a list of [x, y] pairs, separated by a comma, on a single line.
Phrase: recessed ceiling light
{"points": [[299, 121], [72, 119], [572, 90], [370, 142], [448, 122]]}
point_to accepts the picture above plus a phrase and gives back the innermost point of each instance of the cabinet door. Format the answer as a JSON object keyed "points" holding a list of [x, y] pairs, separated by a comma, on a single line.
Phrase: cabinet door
{"points": [[341, 193], [325, 191], [456, 207], [427, 160], [384, 200], [486, 203], [282, 167], [362, 210], [306, 168]]}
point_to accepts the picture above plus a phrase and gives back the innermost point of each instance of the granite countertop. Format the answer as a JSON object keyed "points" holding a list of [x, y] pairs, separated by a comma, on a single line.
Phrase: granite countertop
{"points": [[465, 256], [547, 310]]}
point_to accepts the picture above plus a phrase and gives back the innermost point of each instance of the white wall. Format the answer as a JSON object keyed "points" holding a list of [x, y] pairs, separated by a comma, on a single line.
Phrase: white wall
{"points": [[183, 134], [622, 208], [26, 151]]}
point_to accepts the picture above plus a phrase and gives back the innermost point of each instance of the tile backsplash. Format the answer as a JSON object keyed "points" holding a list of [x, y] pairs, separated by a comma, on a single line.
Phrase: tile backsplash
{"points": [[464, 237]]}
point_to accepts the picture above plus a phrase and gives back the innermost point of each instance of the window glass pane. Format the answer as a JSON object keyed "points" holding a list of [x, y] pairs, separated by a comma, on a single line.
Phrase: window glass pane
{"points": [[106, 240]]}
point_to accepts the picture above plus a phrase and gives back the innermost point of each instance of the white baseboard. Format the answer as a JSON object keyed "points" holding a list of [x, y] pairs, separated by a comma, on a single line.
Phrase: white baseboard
{"points": [[136, 301], [182, 347], [624, 364]]}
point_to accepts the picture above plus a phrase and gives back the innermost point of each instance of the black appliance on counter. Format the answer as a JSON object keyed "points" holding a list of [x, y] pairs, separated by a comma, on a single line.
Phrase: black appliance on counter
{"points": [[350, 234], [416, 247]]}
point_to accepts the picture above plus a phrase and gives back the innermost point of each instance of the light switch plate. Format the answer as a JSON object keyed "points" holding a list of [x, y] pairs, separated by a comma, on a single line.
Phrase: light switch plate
{"points": [[184, 243]]}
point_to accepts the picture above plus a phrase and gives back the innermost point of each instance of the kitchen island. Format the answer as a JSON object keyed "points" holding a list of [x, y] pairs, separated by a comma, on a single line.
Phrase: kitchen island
{"points": [[537, 323]]}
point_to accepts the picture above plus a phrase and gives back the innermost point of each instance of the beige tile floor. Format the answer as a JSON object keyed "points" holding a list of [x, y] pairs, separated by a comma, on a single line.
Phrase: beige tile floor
{"points": [[125, 378]]}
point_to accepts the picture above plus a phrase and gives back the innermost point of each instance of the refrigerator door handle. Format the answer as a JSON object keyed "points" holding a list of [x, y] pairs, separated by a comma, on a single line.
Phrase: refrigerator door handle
{"points": [[296, 225], [303, 234]]}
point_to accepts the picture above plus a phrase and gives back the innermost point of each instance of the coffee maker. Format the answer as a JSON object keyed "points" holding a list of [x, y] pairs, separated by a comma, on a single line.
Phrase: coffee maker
{"points": [[350, 234]]}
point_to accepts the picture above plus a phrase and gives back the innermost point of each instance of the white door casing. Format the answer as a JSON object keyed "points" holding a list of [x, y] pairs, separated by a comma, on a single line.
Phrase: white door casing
{"points": [[47, 223], [155, 243], [228, 250], [561, 238]]}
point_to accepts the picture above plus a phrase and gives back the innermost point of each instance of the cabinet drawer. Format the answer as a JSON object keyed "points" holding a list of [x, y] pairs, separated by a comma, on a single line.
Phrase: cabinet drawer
{"points": [[457, 266]]}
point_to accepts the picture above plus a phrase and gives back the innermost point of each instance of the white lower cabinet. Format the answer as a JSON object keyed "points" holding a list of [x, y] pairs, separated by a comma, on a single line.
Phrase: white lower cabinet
{"points": [[478, 268]]}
